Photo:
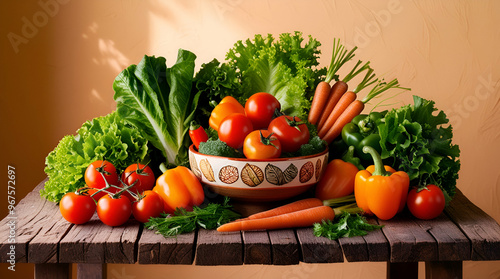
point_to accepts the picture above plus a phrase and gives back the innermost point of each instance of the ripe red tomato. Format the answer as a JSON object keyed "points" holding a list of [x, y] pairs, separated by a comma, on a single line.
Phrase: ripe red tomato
{"points": [[77, 208], [227, 106], [427, 203], [234, 128], [94, 178], [114, 211], [142, 174], [291, 132], [151, 205], [260, 144], [260, 108]]}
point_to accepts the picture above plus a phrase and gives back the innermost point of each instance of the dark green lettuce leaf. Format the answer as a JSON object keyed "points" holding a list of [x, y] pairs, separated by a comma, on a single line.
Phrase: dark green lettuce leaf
{"points": [[415, 140], [158, 101]]}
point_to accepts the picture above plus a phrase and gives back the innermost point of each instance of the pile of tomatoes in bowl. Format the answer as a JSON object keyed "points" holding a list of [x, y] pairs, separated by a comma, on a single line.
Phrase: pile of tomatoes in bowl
{"points": [[256, 128]]}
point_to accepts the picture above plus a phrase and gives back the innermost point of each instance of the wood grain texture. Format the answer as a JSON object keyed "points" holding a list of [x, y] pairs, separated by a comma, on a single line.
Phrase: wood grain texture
{"points": [[216, 248], [377, 244], [408, 241], [318, 249], [480, 228], [95, 242], [34, 216], [257, 247], [285, 247], [154, 248]]}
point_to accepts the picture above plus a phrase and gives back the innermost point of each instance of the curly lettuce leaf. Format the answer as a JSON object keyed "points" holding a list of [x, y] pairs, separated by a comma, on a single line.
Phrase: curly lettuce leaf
{"points": [[414, 140], [107, 137], [284, 68], [158, 101]]}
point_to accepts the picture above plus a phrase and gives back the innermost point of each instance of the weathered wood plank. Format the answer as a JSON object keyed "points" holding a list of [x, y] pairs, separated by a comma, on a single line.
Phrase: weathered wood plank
{"points": [[408, 241], [285, 247], [355, 248], [154, 248], [318, 249], [480, 228], [120, 245], [377, 244], [257, 247], [216, 248], [453, 245], [95, 242], [33, 215], [52, 271]]}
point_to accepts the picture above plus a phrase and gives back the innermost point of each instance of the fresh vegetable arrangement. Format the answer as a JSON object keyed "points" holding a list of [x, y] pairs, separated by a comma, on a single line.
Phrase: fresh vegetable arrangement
{"points": [[269, 99]]}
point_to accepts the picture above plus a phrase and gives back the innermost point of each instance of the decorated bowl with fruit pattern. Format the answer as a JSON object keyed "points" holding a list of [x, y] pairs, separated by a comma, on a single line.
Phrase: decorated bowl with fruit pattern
{"points": [[258, 180]]}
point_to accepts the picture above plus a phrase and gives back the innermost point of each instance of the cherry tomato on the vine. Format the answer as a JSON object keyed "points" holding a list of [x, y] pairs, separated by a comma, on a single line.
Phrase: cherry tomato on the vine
{"points": [[427, 203], [260, 144], [77, 208], [142, 174], [234, 128], [94, 178], [291, 132], [260, 108], [151, 205], [114, 211]]}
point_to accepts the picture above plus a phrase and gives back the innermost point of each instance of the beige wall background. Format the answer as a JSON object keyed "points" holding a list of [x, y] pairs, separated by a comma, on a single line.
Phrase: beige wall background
{"points": [[59, 59]]}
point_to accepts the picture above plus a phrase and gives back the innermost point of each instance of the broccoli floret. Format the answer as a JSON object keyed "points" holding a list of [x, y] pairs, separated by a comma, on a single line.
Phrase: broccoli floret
{"points": [[314, 146], [219, 148]]}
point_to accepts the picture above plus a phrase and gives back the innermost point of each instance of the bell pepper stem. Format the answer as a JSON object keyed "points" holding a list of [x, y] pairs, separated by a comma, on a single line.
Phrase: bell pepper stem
{"points": [[163, 167], [377, 161], [349, 158]]}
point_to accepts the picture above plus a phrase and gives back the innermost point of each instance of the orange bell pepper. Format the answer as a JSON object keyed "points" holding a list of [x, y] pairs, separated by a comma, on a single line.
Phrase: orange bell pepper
{"points": [[227, 106], [338, 178], [179, 187], [380, 190]]}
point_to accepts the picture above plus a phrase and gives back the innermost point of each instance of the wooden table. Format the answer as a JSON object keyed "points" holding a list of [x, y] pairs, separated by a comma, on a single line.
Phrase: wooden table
{"points": [[463, 233]]}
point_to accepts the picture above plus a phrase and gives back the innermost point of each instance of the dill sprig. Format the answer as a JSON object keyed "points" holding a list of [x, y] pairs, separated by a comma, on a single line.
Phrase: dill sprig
{"points": [[183, 221]]}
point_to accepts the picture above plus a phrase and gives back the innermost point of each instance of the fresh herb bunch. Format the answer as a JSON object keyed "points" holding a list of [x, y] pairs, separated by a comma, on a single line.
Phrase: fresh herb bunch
{"points": [[183, 221], [347, 225]]}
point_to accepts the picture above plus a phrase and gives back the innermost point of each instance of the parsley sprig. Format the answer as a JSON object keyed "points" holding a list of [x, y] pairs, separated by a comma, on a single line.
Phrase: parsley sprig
{"points": [[183, 221], [347, 225]]}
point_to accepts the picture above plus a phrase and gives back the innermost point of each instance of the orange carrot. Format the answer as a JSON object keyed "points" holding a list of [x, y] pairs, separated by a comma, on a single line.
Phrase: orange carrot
{"points": [[319, 101], [342, 104], [288, 208], [355, 108], [337, 91], [301, 218], [345, 117]]}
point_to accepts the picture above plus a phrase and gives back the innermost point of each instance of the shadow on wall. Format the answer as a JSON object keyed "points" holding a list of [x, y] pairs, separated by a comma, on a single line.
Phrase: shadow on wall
{"points": [[60, 59]]}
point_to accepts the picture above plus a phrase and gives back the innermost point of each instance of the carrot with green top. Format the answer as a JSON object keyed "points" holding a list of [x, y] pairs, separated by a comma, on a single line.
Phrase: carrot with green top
{"points": [[348, 97], [355, 108], [324, 98]]}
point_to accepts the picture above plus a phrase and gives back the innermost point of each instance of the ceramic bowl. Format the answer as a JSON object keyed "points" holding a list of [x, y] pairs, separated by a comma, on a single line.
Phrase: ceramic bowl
{"points": [[258, 180]]}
